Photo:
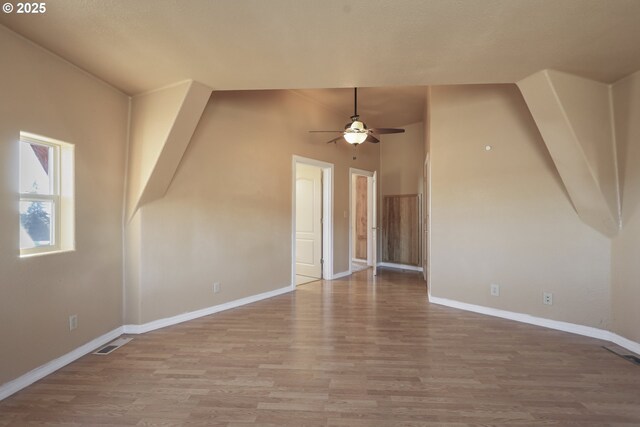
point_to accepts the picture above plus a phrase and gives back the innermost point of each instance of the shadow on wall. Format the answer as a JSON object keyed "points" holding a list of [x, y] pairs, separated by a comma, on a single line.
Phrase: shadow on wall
{"points": [[526, 121], [628, 154]]}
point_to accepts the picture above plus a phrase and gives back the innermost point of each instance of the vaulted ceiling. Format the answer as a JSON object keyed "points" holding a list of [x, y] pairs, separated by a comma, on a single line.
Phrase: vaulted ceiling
{"points": [[141, 45]]}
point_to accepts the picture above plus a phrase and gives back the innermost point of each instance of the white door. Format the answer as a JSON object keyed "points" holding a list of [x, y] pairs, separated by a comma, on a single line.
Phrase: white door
{"points": [[308, 220], [374, 223]]}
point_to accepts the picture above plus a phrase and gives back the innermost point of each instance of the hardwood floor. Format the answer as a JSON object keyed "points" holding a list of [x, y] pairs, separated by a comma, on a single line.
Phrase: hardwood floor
{"points": [[352, 352]]}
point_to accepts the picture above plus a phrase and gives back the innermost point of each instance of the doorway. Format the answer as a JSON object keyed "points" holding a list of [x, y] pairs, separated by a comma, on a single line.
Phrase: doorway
{"points": [[401, 231], [312, 223], [362, 220]]}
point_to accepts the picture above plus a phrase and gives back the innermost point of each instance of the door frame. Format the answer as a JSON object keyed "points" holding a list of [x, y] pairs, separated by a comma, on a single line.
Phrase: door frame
{"points": [[426, 222], [370, 204], [327, 215]]}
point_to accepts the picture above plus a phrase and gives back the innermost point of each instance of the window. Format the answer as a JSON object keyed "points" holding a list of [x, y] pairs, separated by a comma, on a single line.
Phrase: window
{"points": [[46, 195]]}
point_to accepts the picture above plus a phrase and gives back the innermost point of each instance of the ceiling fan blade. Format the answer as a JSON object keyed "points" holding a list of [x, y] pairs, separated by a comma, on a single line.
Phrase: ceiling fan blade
{"points": [[382, 131], [324, 131], [335, 139], [371, 138]]}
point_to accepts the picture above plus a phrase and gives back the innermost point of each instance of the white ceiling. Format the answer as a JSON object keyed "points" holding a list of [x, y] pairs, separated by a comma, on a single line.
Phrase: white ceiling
{"points": [[275, 44]]}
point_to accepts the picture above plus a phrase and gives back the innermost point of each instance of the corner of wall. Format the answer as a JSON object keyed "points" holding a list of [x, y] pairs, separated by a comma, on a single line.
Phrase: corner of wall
{"points": [[574, 117]]}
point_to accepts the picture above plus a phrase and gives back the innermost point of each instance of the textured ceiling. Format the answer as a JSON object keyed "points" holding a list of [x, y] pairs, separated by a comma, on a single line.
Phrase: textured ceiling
{"points": [[258, 44]]}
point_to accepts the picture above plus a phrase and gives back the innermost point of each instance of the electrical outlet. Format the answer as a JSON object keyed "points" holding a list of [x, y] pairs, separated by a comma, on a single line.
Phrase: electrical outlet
{"points": [[547, 298], [495, 290], [216, 287], [73, 322]]}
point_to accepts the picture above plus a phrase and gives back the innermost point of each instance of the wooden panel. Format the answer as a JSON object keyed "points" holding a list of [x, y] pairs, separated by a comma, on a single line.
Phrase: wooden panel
{"points": [[361, 217], [400, 229]]}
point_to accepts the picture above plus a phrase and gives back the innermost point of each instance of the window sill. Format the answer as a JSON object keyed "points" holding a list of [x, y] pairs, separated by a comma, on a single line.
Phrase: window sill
{"points": [[38, 254]]}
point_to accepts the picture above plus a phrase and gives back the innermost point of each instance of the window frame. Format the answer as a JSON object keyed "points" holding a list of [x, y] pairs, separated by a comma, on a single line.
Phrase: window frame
{"points": [[54, 198]]}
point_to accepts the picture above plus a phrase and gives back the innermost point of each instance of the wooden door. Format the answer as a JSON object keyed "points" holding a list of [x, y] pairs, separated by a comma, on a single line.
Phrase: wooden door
{"points": [[308, 220], [361, 218], [400, 231]]}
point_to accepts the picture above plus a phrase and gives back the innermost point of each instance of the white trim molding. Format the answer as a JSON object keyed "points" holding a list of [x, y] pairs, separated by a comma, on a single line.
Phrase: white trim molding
{"points": [[370, 204], [573, 328], [327, 216], [625, 342], [400, 266], [7, 389], [341, 275], [184, 317], [48, 368]]}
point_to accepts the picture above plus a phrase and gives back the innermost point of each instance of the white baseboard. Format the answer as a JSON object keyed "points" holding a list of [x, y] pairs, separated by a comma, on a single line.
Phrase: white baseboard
{"points": [[625, 342], [184, 317], [42, 371], [340, 275], [399, 266], [573, 328]]}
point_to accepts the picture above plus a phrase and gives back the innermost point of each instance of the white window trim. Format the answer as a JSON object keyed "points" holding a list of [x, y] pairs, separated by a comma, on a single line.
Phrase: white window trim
{"points": [[59, 243]]}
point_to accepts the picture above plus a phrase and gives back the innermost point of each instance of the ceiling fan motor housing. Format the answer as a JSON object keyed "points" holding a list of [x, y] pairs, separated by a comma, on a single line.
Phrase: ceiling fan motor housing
{"points": [[356, 125]]}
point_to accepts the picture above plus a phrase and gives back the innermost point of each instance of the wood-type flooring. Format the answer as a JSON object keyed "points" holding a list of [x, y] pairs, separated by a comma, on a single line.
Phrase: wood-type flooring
{"points": [[352, 352]]}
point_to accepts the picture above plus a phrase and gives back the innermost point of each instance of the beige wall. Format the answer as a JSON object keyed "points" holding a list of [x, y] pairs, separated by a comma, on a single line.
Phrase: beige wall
{"points": [[497, 217], [401, 161], [502, 216], [227, 214], [574, 117], [152, 116], [45, 95], [625, 290], [587, 106], [131, 260]]}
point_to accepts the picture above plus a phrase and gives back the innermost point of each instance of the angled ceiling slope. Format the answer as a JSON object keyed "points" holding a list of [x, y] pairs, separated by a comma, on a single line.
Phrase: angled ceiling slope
{"points": [[162, 123], [575, 118]]}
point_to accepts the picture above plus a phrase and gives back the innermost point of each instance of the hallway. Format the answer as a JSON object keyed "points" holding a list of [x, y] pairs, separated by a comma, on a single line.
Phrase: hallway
{"points": [[358, 351]]}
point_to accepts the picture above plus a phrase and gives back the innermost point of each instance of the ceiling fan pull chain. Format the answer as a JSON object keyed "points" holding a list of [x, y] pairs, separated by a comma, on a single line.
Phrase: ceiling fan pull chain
{"points": [[355, 149]]}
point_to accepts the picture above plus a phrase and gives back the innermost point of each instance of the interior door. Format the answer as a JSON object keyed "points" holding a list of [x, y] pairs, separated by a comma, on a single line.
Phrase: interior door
{"points": [[308, 220], [374, 224]]}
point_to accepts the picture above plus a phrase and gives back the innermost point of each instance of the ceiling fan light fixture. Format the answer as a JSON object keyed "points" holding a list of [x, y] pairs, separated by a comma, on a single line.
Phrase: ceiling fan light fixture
{"points": [[356, 132], [355, 137]]}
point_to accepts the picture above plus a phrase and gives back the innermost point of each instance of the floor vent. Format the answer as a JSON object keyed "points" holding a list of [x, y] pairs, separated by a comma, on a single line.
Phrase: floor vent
{"points": [[112, 346], [624, 353]]}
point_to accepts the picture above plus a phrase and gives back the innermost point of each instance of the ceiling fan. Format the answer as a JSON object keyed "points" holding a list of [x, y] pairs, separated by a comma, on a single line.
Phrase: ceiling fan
{"points": [[356, 132]]}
